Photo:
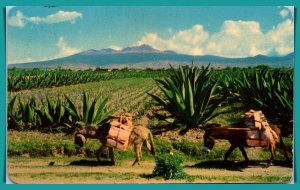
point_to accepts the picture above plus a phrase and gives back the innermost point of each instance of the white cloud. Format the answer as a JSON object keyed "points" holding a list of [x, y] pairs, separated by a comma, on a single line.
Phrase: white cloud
{"points": [[282, 37], [20, 20], [115, 47], [26, 60], [64, 49], [237, 39], [284, 13], [234, 39], [184, 41], [17, 20]]}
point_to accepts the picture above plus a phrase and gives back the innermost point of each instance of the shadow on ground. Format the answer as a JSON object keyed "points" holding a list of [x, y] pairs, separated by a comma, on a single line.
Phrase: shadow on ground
{"points": [[283, 163], [237, 165], [90, 163], [164, 128], [229, 165]]}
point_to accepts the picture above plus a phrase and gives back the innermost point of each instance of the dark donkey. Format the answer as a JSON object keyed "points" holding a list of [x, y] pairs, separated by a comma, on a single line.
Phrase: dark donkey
{"points": [[238, 139]]}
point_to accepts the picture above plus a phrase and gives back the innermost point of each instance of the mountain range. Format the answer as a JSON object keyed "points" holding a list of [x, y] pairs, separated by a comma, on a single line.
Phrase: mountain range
{"points": [[145, 56]]}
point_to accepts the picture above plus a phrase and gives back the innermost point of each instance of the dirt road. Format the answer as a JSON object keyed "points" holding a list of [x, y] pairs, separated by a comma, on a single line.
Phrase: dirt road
{"points": [[90, 172]]}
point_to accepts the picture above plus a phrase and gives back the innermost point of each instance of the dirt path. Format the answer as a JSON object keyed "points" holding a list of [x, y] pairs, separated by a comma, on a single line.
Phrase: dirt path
{"points": [[86, 172]]}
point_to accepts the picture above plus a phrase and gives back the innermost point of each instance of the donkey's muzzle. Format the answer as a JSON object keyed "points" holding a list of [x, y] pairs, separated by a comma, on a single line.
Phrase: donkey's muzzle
{"points": [[207, 150], [77, 147]]}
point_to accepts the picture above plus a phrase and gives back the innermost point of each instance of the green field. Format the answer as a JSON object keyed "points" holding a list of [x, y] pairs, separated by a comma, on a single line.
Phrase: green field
{"points": [[125, 94]]}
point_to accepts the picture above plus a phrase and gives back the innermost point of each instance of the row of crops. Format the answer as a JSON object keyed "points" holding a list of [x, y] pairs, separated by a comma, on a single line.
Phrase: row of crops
{"points": [[36, 78], [52, 110], [191, 95]]}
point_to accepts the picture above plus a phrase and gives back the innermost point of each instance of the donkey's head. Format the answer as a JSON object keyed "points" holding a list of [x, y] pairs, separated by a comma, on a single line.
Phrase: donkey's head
{"points": [[79, 141], [126, 119], [82, 132], [209, 141]]}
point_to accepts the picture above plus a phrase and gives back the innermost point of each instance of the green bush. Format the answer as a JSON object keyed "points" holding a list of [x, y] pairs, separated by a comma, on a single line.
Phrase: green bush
{"points": [[188, 148], [195, 151], [168, 167], [163, 146], [33, 149]]}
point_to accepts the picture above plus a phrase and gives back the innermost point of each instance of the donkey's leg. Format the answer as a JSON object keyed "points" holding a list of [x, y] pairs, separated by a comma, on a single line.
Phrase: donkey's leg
{"points": [[138, 152], [99, 152], [272, 150], [112, 155], [285, 150], [141, 153], [242, 149], [229, 151]]}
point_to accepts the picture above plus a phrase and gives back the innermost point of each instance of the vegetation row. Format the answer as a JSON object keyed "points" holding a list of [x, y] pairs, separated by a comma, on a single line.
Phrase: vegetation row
{"points": [[36, 78], [189, 95]]}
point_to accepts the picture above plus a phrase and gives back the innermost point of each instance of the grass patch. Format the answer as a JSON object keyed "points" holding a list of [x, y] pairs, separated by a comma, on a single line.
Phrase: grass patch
{"points": [[232, 114], [95, 175], [35, 144], [243, 179]]}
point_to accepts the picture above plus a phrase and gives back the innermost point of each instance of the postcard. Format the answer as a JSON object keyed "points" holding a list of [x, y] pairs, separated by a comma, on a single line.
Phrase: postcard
{"points": [[150, 94]]}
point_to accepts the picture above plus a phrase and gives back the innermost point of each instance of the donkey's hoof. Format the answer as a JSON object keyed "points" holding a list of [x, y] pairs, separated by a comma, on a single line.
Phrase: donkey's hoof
{"points": [[246, 164], [269, 164], [135, 163]]}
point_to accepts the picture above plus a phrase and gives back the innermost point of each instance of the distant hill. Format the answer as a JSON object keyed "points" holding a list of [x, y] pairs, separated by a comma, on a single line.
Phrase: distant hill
{"points": [[145, 56]]}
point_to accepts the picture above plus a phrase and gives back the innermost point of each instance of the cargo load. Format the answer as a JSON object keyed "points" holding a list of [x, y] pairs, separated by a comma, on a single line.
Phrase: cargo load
{"points": [[119, 134], [261, 133]]}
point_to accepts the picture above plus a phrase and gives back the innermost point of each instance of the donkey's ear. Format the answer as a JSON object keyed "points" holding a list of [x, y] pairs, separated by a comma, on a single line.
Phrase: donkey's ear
{"points": [[211, 125]]}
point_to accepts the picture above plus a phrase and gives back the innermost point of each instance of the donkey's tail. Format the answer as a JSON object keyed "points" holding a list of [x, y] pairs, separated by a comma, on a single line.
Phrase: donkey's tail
{"points": [[284, 148], [281, 144], [152, 150]]}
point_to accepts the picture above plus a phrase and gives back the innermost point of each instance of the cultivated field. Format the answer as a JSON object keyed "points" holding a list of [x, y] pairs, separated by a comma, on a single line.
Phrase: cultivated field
{"points": [[127, 95]]}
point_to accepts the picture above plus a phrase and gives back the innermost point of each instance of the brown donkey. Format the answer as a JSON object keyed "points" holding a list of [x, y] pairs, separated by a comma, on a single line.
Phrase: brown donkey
{"points": [[139, 136], [239, 138]]}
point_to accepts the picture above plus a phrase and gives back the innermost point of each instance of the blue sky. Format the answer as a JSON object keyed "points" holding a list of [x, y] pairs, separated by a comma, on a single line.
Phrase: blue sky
{"points": [[40, 33]]}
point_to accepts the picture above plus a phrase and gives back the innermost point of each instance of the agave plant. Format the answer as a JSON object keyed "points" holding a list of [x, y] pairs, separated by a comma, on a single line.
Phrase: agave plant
{"points": [[27, 111], [13, 82], [190, 96], [52, 116], [92, 113], [266, 89], [13, 117]]}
